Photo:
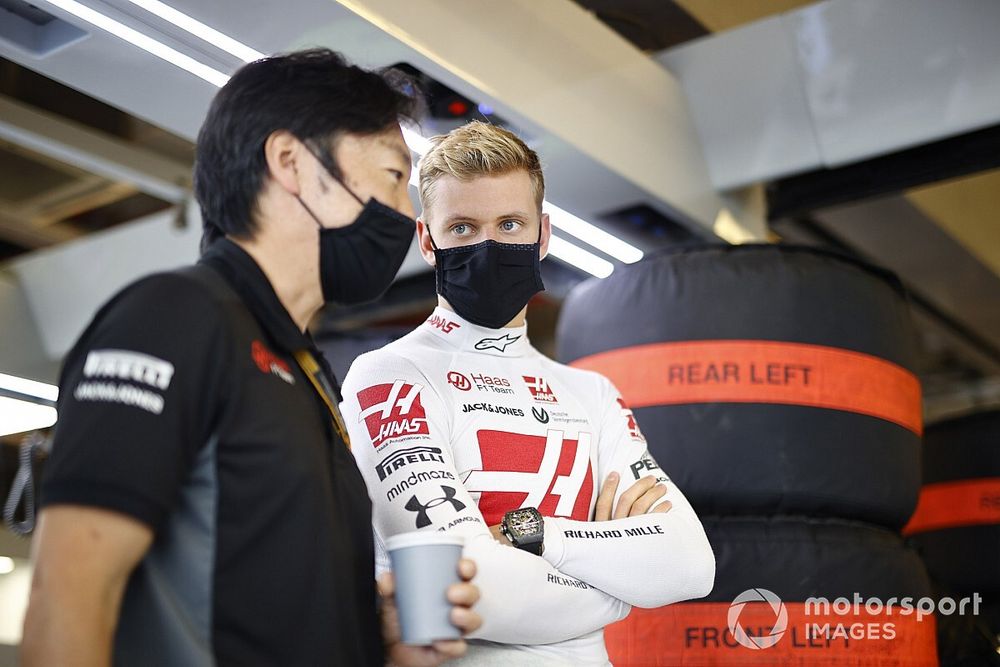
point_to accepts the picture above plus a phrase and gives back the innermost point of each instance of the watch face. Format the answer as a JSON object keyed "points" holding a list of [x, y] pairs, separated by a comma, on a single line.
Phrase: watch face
{"points": [[524, 522]]}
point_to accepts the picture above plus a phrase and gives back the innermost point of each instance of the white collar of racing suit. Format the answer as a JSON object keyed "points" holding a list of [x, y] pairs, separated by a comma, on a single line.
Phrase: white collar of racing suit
{"points": [[460, 333]]}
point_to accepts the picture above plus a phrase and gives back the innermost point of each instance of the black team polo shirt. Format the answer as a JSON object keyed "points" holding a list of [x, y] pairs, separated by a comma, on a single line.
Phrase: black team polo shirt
{"points": [[182, 405]]}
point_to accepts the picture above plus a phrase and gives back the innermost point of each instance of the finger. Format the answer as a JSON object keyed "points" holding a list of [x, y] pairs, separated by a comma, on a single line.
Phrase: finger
{"points": [[663, 507], [602, 512], [465, 595], [386, 585], [452, 648], [633, 493], [647, 499], [467, 569], [465, 620]]}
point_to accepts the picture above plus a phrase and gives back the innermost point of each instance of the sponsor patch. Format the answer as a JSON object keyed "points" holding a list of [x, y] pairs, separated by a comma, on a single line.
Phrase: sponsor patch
{"points": [[125, 394], [551, 473], [128, 365], [421, 508], [540, 389], [541, 415], [633, 427], [416, 478], [646, 465], [459, 381], [493, 408], [445, 325], [404, 457], [268, 362], [392, 411], [500, 344]]}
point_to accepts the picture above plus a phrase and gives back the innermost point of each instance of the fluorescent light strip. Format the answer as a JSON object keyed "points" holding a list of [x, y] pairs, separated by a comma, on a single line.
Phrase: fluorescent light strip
{"points": [[564, 220], [595, 236], [144, 42], [48, 392], [20, 416], [573, 254], [200, 30]]}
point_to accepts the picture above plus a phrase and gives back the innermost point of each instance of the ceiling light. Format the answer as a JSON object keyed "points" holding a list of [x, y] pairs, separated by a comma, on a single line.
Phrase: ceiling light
{"points": [[144, 42], [607, 243], [562, 249], [48, 392], [200, 30], [18, 416], [6, 565], [568, 222]]}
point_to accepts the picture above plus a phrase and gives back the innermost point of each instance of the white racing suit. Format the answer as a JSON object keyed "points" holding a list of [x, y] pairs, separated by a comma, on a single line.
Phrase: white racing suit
{"points": [[455, 424]]}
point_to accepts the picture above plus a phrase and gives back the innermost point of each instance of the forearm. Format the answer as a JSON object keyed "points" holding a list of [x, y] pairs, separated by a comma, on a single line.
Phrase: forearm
{"points": [[647, 561], [524, 600], [67, 627]]}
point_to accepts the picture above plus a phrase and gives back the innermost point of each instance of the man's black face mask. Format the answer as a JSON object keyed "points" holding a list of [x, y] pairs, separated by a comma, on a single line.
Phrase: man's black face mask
{"points": [[357, 263], [490, 282]]}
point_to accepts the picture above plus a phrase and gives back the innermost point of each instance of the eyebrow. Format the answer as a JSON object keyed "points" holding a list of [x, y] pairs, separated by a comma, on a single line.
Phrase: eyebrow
{"points": [[458, 217]]}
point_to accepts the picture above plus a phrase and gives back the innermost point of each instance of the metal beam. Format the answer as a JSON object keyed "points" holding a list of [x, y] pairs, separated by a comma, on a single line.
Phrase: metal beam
{"points": [[93, 151], [557, 66]]}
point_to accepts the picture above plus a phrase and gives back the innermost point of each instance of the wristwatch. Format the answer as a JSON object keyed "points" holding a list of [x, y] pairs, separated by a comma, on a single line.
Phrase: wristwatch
{"points": [[525, 529]]}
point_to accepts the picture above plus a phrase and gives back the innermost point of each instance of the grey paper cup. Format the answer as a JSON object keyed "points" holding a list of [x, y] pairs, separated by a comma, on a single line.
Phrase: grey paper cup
{"points": [[425, 564]]}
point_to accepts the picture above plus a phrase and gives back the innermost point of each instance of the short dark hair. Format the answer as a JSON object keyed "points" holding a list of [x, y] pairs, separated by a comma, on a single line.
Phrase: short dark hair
{"points": [[315, 94]]}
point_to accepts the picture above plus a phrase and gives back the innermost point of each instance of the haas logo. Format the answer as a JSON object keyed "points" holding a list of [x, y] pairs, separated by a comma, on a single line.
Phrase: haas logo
{"points": [[552, 474], [633, 427], [540, 389], [392, 410], [415, 505], [441, 323]]}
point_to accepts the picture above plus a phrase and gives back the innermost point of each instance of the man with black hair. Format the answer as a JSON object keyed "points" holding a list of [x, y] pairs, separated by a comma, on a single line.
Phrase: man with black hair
{"points": [[201, 505]]}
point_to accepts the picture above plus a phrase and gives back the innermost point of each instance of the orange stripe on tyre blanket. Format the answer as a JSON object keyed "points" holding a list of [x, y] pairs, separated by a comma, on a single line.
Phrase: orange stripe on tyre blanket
{"points": [[793, 591], [767, 380], [956, 526]]}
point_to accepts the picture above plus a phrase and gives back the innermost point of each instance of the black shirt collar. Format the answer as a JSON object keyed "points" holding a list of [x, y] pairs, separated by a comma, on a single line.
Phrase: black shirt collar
{"points": [[246, 277]]}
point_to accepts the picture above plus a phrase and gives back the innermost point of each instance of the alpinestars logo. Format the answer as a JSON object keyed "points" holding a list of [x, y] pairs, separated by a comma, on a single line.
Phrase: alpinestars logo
{"points": [[553, 474], [500, 343], [633, 427], [414, 504], [540, 389], [392, 411]]}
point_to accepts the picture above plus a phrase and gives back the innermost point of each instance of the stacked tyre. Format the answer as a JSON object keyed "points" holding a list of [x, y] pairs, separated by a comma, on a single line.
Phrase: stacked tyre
{"points": [[775, 386], [956, 528]]}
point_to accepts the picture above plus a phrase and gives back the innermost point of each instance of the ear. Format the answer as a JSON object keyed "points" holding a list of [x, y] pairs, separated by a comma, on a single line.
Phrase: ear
{"points": [[424, 241], [543, 250], [281, 152]]}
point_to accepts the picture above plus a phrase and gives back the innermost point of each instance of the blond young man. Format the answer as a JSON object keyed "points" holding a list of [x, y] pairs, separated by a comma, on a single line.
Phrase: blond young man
{"points": [[463, 426]]}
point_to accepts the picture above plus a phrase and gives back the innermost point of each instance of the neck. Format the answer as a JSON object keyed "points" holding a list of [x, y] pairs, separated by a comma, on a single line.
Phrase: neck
{"points": [[518, 320], [295, 283]]}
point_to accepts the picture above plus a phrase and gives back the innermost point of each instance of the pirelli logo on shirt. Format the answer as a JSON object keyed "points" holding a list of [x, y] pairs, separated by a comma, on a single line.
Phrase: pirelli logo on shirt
{"points": [[392, 411], [125, 365], [113, 376]]}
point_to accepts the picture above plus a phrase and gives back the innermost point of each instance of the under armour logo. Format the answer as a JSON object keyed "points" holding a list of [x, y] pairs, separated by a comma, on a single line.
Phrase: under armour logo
{"points": [[500, 343], [414, 505], [541, 415]]}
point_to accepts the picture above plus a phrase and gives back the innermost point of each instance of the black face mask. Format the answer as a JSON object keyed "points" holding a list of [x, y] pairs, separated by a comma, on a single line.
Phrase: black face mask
{"points": [[358, 262], [490, 282]]}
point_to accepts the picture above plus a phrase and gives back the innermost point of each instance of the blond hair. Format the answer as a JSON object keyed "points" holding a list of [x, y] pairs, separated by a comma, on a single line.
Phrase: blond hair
{"points": [[478, 149]]}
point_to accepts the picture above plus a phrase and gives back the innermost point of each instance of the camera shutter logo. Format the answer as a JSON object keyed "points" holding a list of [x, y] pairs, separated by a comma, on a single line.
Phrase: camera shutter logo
{"points": [[777, 630]]}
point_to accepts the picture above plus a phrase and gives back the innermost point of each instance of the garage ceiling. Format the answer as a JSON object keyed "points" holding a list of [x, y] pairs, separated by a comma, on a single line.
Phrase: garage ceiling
{"points": [[46, 199]]}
